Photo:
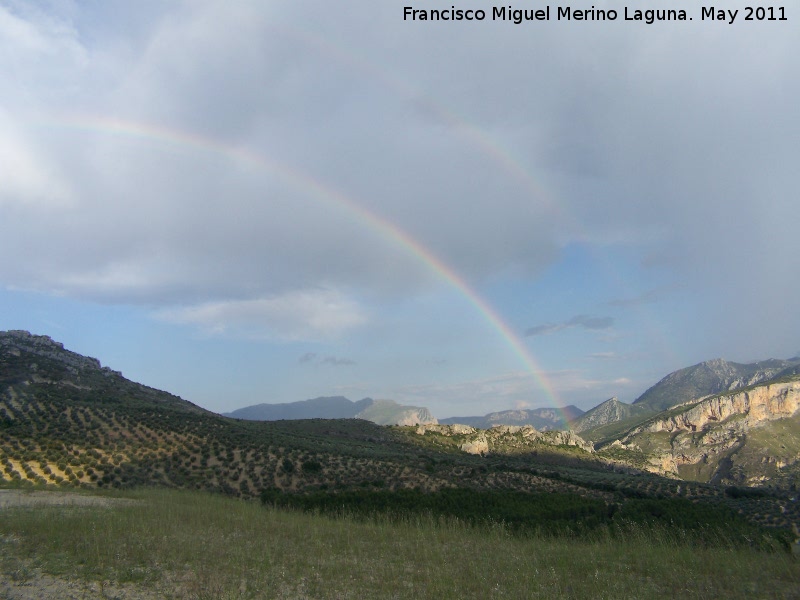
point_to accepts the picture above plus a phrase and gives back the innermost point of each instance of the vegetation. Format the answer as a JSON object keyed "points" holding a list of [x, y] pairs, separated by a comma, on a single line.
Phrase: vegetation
{"points": [[179, 544]]}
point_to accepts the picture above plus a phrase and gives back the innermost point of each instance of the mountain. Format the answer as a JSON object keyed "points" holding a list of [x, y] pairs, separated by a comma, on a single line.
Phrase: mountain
{"points": [[380, 412], [749, 436], [610, 411], [710, 377], [324, 407], [543, 419]]}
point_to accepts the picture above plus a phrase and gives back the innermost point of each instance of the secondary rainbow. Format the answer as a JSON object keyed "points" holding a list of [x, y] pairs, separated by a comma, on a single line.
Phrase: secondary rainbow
{"points": [[327, 195]]}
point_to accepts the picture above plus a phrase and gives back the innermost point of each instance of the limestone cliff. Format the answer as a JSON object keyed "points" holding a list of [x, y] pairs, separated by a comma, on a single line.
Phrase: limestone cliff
{"points": [[720, 438]]}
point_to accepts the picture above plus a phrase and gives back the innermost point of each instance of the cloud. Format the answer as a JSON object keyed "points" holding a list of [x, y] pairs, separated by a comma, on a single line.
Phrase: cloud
{"points": [[337, 362], [300, 315], [604, 355], [578, 321], [307, 358], [647, 297], [334, 361]]}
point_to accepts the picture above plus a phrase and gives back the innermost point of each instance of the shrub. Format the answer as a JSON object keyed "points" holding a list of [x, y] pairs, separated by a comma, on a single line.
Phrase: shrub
{"points": [[311, 466]]}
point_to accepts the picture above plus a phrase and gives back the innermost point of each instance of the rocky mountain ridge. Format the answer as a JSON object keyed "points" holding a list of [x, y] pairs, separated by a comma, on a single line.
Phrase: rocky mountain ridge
{"points": [[710, 377]]}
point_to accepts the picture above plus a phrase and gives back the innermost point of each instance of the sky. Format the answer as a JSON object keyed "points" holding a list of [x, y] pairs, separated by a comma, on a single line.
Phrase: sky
{"points": [[269, 201]]}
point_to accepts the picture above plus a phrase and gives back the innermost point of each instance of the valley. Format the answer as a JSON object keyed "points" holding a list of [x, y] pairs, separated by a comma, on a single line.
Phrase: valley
{"points": [[717, 473]]}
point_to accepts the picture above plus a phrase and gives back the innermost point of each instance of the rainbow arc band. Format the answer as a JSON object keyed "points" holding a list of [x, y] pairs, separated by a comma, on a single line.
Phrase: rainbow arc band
{"points": [[327, 195]]}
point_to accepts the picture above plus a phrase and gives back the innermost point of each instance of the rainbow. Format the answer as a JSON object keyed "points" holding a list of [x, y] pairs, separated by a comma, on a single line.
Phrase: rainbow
{"points": [[325, 194]]}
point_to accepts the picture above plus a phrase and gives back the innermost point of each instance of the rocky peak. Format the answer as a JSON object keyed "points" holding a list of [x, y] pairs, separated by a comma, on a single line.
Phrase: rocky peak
{"points": [[15, 342]]}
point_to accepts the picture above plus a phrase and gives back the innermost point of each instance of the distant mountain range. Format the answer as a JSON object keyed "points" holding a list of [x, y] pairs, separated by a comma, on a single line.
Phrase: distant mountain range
{"points": [[380, 412], [543, 419]]}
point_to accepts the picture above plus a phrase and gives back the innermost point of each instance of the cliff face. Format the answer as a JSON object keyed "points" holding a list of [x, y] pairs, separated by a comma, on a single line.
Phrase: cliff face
{"points": [[755, 405], [725, 438]]}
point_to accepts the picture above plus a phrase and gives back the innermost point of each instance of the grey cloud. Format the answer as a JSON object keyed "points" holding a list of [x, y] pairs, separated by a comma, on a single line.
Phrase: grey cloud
{"points": [[333, 361], [307, 358], [337, 362], [579, 321], [652, 295]]}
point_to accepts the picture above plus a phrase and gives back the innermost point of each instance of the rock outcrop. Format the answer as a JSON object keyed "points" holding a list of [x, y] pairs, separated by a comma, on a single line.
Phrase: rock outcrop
{"points": [[504, 438], [15, 342]]}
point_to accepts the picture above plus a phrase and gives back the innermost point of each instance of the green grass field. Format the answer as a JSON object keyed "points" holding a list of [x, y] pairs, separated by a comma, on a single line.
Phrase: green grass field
{"points": [[180, 544]]}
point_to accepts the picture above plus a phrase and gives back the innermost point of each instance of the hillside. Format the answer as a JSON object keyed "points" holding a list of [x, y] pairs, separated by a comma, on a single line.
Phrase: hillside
{"points": [[66, 420], [381, 412], [542, 419], [606, 413], [709, 377]]}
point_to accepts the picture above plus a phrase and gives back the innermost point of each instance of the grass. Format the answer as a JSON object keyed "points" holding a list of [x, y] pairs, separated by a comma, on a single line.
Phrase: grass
{"points": [[179, 544]]}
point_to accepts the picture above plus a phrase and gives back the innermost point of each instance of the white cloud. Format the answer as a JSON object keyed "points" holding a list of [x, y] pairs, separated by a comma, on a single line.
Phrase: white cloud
{"points": [[26, 177], [306, 315]]}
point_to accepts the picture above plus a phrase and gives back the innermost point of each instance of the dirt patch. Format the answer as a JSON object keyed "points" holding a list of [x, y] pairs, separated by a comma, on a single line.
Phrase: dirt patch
{"points": [[24, 498], [38, 586]]}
